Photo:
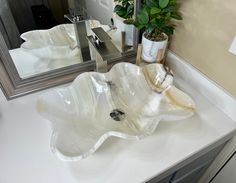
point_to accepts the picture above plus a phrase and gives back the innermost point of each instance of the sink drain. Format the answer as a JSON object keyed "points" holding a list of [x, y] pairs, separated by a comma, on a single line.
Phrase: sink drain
{"points": [[117, 114]]}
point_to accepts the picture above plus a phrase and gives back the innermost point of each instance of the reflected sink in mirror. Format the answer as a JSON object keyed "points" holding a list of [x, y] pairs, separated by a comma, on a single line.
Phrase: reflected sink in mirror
{"points": [[51, 49], [127, 102], [56, 43], [60, 42]]}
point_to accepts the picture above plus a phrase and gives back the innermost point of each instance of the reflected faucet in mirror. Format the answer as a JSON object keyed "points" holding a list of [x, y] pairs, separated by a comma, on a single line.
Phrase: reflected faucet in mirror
{"points": [[80, 33]]}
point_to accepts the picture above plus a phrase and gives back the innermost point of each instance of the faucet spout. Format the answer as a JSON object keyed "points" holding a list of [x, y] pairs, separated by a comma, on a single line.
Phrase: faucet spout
{"points": [[105, 49], [81, 34]]}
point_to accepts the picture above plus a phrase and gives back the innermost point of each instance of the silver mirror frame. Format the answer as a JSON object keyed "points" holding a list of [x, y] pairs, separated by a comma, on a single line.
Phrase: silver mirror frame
{"points": [[13, 86]]}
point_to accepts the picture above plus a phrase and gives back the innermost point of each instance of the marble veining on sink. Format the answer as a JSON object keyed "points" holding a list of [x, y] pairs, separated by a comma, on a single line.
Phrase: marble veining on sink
{"points": [[127, 102]]}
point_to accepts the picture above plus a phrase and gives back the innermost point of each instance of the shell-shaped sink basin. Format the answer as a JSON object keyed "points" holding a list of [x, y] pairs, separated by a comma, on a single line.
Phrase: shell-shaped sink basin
{"points": [[55, 43], [58, 42], [127, 102]]}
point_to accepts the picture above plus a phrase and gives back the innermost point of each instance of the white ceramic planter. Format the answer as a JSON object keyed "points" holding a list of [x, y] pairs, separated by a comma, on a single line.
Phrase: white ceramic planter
{"points": [[129, 34], [119, 23], [127, 28], [151, 48]]}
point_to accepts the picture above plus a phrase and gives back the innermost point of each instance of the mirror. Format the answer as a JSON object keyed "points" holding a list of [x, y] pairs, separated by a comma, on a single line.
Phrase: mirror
{"points": [[46, 40]]}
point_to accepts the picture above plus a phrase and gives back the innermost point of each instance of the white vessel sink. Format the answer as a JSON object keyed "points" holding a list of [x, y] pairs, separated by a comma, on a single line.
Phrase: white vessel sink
{"points": [[58, 42], [53, 43], [127, 102]]}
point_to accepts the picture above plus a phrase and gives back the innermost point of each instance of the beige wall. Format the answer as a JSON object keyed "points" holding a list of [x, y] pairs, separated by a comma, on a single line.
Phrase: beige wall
{"points": [[204, 37]]}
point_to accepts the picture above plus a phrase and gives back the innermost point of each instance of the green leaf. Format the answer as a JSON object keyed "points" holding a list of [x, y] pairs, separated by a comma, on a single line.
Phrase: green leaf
{"points": [[151, 3], [155, 10], [120, 11], [143, 17], [168, 9], [149, 28], [124, 8], [169, 30], [130, 9], [117, 8], [176, 16], [168, 15], [139, 26], [163, 3], [160, 23]]}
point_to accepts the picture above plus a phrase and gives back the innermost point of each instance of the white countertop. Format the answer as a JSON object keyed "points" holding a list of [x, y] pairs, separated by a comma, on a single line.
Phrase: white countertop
{"points": [[25, 154]]}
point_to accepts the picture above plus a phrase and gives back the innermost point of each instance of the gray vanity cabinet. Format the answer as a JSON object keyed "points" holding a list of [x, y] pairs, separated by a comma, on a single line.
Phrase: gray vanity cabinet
{"points": [[191, 172]]}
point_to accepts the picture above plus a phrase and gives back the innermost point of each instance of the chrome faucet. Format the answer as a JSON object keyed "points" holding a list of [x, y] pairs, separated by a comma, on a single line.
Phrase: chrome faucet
{"points": [[81, 34], [105, 49]]}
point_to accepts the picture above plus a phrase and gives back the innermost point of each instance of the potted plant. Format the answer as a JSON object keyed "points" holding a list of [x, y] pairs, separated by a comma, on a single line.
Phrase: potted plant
{"points": [[155, 19], [124, 9]]}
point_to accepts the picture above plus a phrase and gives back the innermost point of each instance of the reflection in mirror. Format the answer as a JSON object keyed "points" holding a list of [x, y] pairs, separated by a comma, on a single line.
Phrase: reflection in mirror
{"points": [[45, 35]]}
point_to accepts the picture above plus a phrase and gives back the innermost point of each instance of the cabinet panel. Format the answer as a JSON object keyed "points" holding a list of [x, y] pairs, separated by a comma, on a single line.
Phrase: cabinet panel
{"points": [[199, 162], [156, 180], [192, 171], [193, 175], [227, 174]]}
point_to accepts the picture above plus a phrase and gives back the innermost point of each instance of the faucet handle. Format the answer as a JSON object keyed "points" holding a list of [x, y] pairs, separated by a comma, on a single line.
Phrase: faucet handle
{"points": [[74, 19], [101, 35]]}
